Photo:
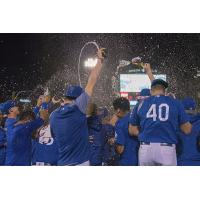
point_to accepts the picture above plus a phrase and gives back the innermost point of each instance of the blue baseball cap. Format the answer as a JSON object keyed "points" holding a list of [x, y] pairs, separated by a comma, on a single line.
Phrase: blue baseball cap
{"points": [[145, 92], [6, 106], [159, 82], [73, 91], [189, 103]]}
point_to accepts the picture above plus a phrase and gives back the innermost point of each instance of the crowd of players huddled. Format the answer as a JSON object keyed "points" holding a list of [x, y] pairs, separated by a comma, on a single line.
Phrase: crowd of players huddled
{"points": [[73, 130]]}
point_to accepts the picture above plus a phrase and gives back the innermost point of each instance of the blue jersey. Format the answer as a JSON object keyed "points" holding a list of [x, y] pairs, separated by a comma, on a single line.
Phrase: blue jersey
{"points": [[44, 148], [189, 145], [2, 136], [109, 154], [96, 140], [69, 126], [131, 144], [159, 119], [2, 146], [10, 121], [19, 142]]}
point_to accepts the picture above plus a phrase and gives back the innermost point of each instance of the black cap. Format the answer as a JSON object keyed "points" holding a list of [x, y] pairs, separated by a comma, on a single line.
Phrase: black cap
{"points": [[159, 82]]}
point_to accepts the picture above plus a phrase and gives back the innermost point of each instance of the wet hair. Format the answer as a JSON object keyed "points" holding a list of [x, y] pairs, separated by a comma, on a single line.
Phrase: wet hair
{"points": [[122, 104], [158, 87], [27, 115]]}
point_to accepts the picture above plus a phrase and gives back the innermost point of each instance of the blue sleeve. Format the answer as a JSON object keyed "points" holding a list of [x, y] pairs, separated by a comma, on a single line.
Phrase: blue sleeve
{"points": [[134, 118], [182, 115], [35, 124], [119, 135], [82, 102], [2, 136], [36, 110]]}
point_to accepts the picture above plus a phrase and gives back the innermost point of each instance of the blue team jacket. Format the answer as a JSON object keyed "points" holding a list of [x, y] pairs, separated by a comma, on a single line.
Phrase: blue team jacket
{"points": [[69, 127], [2, 146], [19, 142], [108, 132], [96, 140], [188, 146], [47, 153]]}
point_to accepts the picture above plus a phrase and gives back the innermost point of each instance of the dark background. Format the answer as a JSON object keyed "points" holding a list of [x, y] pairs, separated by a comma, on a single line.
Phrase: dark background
{"points": [[27, 60]]}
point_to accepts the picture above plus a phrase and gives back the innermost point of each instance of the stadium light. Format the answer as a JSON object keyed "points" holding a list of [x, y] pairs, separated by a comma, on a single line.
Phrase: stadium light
{"points": [[90, 62]]}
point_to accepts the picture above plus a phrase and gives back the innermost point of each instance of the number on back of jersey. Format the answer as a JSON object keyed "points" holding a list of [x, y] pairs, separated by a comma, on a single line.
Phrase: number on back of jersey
{"points": [[163, 112]]}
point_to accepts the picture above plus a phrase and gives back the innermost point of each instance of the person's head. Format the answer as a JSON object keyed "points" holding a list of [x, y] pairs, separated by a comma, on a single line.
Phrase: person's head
{"points": [[10, 108], [14, 111], [145, 93], [103, 112], [92, 109], [26, 116], [121, 106], [47, 98], [71, 93], [158, 87], [189, 105]]}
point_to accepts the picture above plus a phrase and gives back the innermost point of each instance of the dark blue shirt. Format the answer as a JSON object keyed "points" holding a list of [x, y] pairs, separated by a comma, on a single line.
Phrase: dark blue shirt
{"points": [[131, 144], [2, 146], [159, 119], [19, 142], [69, 127], [10, 121], [109, 154], [2, 136], [44, 148], [189, 145], [96, 140]]}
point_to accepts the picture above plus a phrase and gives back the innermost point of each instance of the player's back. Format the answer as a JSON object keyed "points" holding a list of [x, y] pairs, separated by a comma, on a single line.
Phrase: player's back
{"points": [[160, 117], [69, 126]]}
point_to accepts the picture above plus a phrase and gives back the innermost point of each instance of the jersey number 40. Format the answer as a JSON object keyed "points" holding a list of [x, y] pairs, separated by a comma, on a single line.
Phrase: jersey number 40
{"points": [[163, 112]]}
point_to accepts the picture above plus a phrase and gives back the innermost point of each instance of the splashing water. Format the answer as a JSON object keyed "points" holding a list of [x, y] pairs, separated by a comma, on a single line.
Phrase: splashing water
{"points": [[79, 59]]}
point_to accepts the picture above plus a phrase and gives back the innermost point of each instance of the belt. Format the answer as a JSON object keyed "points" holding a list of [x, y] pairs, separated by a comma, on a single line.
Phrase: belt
{"points": [[161, 144]]}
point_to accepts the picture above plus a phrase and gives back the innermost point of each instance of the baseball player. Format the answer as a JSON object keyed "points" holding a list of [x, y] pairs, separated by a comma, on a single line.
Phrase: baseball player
{"points": [[189, 145], [11, 109], [69, 123], [44, 148], [95, 135], [126, 145], [18, 151], [156, 122]]}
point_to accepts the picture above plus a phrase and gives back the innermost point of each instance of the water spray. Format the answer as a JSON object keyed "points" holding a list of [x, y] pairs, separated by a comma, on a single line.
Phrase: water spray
{"points": [[79, 59]]}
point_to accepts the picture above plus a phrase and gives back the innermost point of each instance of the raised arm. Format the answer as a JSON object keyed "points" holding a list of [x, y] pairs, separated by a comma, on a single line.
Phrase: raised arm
{"points": [[95, 72], [147, 68]]}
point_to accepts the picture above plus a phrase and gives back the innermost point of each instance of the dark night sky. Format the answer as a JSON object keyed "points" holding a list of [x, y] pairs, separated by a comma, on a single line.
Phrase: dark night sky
{"points": [[27, 60]]}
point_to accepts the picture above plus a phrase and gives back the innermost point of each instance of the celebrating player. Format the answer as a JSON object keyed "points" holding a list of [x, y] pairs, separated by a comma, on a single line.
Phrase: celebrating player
{"points": [[126, 145], [69, 122], [95, 135], [189, 145], [19, 138], [156, 121], [44, 147]]}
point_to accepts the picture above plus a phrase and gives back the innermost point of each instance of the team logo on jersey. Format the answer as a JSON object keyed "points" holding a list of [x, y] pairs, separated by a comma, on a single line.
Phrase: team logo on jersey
{"points": [[45, 136]]}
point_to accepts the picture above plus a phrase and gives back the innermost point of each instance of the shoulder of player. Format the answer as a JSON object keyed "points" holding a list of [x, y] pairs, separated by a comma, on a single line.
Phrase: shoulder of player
{"points": [[123, 121]]}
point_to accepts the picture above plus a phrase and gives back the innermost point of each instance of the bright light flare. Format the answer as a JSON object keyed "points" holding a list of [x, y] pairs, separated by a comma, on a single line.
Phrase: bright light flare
{"points": [[90, 62]]}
